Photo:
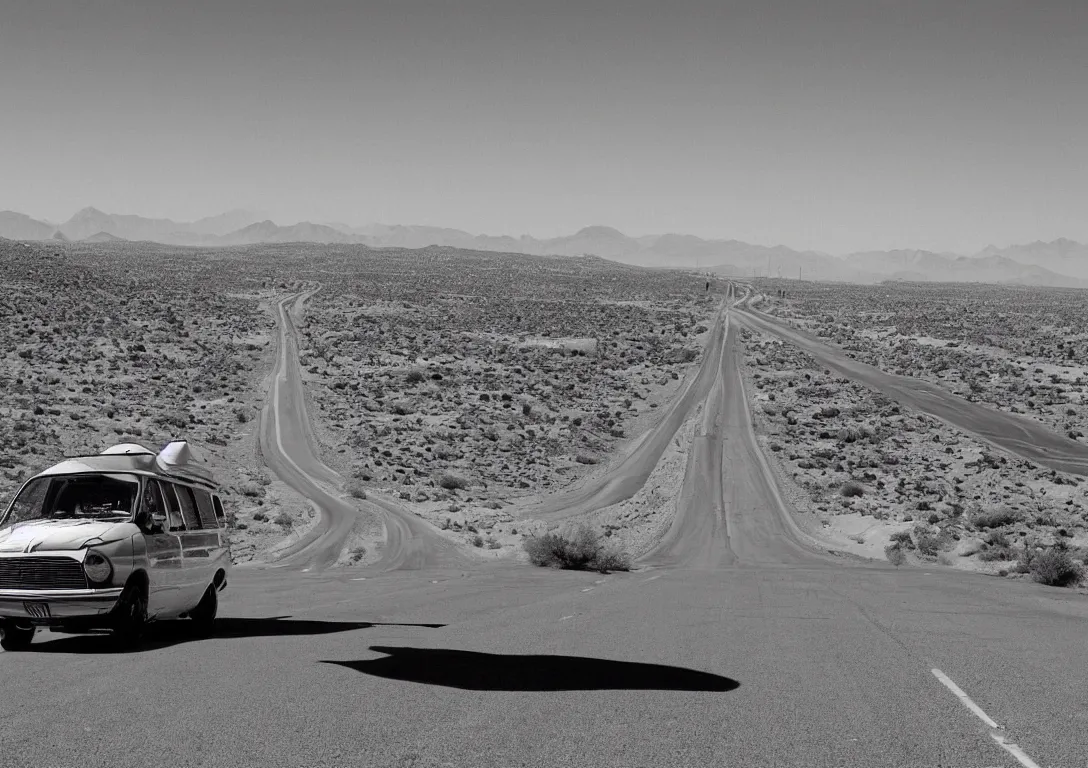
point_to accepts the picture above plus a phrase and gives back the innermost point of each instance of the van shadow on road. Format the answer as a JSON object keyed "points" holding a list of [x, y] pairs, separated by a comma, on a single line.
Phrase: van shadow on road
{"points": [[474, 671], [170, 633]]}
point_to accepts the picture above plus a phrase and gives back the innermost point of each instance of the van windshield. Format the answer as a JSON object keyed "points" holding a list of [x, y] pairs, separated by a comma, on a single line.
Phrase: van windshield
{"points": [[75, 497]]}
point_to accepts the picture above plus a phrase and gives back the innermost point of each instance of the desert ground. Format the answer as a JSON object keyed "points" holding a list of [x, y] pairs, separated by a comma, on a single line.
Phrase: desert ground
{"points": [[457, 383], [1020, 349], [115, 343], [466, 386], [867, 472]]}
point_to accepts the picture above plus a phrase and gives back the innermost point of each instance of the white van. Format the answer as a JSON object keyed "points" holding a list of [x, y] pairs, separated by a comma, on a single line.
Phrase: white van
{"points": [[112, 541]]}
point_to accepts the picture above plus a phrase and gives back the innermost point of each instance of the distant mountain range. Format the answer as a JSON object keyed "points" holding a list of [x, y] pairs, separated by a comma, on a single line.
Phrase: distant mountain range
{"points": [[1059, 263]]}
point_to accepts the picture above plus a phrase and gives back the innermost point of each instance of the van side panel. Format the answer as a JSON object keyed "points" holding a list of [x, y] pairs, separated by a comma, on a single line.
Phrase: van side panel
{"points": [[202, 549], [163, 553]]}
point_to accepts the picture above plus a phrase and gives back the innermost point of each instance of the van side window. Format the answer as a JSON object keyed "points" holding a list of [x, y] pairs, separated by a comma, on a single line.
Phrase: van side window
{"points": [[220, 515], [153, 503], [204, 508], [188, 507], [174, 519]]}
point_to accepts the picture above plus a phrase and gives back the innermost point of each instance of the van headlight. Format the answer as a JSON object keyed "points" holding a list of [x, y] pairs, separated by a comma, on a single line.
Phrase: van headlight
{"points": [[97, 567]]}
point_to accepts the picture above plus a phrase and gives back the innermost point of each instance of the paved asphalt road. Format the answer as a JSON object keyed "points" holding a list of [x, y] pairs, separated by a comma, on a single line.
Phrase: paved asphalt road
{"points": [[733, 644]]}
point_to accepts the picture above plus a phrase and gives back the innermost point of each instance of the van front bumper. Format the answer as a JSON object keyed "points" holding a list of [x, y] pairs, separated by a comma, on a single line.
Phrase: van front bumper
{"points": [[46, 607]]}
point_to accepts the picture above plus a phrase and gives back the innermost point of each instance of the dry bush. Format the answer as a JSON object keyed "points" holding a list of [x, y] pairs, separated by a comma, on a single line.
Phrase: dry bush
{"points": [[928, 543], [580, 549], [356, 490], [452, 482], [852, 488], [1055, 568], [895, 554], [996, 554], [901, 539], [995, 519]]}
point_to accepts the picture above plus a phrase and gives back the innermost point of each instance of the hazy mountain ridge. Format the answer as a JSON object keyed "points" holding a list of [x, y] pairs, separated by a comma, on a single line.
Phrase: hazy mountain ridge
{"points": [[19, 226], [1059, 263], [1063, 256]]}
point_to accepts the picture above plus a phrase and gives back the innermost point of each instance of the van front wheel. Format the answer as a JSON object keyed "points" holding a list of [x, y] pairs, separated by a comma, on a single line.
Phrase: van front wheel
{"points": [[130, 616], [203, 616], [13, 638]]}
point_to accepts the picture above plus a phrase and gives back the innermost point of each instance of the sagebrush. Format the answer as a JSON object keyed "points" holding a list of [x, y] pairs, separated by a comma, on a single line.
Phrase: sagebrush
{"points": [[579, 549]]}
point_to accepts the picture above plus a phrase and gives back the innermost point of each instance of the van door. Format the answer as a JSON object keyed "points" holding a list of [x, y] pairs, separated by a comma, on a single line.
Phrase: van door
{"points": [[163, 548], [213, 521], [198, 547]]}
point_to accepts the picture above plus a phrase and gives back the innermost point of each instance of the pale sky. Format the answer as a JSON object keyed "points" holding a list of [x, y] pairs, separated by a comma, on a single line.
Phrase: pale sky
{"points": [[836, 126]]}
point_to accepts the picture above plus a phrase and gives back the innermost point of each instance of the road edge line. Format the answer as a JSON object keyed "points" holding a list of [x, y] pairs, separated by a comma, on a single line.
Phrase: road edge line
{"points": [[997, 734]]}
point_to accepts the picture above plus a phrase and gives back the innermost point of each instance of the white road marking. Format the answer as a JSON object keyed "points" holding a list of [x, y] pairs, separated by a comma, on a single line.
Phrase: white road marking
{"points": [[658, 576], [564, 618], [997, 734], [588, 589], [361, 578]]}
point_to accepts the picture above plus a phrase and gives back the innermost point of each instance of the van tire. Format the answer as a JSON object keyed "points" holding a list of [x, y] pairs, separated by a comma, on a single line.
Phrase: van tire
{"points": [[13, 638], [203, 616], [129, 619]]}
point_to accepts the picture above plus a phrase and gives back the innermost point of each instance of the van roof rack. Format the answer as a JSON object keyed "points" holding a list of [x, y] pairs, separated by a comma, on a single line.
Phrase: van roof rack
{"points": [[175, 459]]}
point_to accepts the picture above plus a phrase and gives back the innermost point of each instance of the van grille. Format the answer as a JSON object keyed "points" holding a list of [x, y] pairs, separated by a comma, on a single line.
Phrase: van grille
{"points": [[41, 573]]}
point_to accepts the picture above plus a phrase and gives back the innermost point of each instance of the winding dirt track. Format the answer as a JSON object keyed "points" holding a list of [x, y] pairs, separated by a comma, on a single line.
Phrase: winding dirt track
{"points": [[721, 514], [290, 450], [1009, 432], [628, 477]]}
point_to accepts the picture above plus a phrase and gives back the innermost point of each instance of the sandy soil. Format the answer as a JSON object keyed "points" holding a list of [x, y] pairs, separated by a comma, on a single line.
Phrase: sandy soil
{"points": [[860, 469], [137, 343], [459, 404], [1022, 350]]}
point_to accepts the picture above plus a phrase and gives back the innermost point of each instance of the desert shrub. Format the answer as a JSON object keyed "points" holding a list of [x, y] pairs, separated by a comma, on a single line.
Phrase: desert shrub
{"points": [[356, 490], [284, 520], [612, 560], [995, 519], [995, 554], [582, 458], [895, 554], [452, 482], [260, 517], [1026, 558], [997, 539], [901, 539], [1054, 567], [853, 488], [402, 408], [477, 540], [414, 377], [580, 549], [927, 542]]}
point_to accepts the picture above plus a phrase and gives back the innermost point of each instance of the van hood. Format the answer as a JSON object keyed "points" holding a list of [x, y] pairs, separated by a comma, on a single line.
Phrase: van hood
{"points": [[55, 535]]}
